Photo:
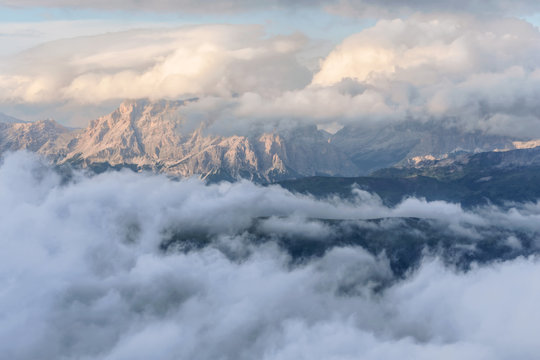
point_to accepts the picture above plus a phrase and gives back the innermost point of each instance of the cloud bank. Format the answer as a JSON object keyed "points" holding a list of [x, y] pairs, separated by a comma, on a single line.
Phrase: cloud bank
{"points": [[84, 275], [198, 60], [462, 71], [483, 74], [479, 74]]}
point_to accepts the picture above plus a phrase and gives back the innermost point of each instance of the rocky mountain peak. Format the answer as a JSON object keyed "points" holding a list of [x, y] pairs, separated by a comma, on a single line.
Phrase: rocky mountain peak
{"points": [[44, 136], [153, 135], [137, 107], [149, 134]]}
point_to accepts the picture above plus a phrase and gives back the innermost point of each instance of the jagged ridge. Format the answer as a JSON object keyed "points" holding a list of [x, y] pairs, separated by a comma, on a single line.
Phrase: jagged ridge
{"points": [[153, 135]]}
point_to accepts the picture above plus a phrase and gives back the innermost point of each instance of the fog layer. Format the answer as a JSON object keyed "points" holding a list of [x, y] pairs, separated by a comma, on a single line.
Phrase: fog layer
{"points": [[98, 268]]}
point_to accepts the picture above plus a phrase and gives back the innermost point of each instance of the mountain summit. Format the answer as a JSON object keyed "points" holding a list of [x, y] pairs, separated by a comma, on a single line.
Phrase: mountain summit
{"points": [[153, 135]]}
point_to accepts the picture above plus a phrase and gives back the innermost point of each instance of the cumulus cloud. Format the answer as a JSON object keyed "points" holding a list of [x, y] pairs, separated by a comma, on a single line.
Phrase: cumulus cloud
{"points": [[483, 73], [84, 276], [166, 63], [478, 74], [424, 50]]}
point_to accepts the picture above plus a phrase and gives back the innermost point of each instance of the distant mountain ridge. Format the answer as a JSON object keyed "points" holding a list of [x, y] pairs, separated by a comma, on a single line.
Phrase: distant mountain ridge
{"points": [[45, 137], [9, 119], [375, 148], [152, 135], [469, 179]]}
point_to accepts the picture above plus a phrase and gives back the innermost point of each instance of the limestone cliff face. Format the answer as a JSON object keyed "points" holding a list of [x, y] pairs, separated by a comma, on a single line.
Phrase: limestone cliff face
{"points": [[152, 135], [138, 132], [45, 137]]}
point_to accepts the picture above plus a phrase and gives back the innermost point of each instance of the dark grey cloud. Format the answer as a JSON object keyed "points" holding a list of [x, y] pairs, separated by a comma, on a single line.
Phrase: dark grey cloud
{"points": [[189, 6], [371, 8], [83, 276], [393, 8]]}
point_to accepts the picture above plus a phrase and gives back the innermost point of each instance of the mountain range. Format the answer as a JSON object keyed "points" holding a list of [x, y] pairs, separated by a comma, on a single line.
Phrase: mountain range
{"points": [[153, 135], [470, 179]]}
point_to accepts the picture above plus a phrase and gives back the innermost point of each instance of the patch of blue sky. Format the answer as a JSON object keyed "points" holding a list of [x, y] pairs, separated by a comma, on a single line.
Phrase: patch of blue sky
{"points": [[315, 23], [533, 19]]}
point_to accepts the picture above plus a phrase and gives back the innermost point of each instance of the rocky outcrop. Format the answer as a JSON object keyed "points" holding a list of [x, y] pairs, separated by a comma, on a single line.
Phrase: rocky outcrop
{"points": [[46, 137]]}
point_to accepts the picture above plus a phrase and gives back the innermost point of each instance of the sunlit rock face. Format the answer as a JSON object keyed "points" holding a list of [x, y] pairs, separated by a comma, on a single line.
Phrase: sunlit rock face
{"points": [[154, 136], [157, 136], [46, 137]]}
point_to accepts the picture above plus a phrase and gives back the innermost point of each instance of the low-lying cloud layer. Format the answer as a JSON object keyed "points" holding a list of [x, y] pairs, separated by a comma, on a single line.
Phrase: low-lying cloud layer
{"points": [[85, 275]]}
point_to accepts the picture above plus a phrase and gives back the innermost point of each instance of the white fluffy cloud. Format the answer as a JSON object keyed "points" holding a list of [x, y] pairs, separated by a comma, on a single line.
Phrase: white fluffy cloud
{"points": [[484, 73], [83, 277], [426, 50], [480, 74], [198, 60], [477, 73]]}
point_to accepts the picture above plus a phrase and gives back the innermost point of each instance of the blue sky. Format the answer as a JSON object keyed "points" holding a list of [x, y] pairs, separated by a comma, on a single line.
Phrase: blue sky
{"points": [[30, 25], [24, 27]]}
